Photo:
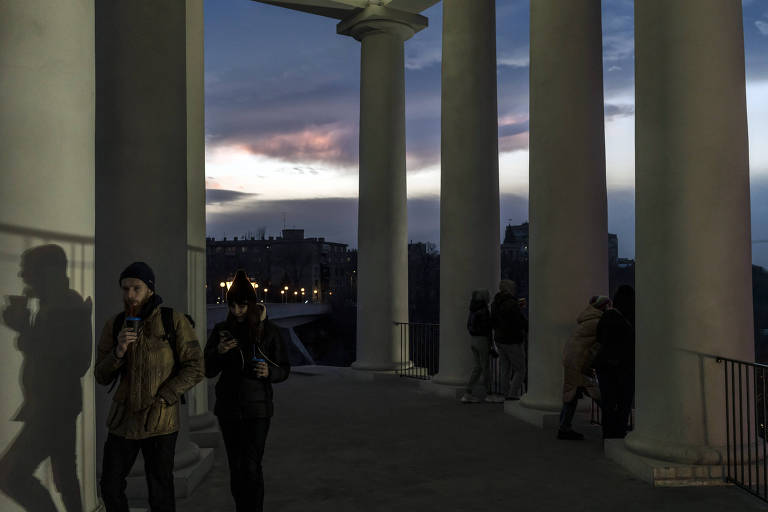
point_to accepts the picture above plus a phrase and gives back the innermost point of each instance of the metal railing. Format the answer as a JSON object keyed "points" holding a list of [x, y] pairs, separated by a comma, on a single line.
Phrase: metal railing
{"points": [[745, 425], [419, 350]]}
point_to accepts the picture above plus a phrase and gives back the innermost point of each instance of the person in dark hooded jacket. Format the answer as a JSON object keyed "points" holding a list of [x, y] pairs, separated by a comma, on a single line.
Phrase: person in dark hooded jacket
{"points": [[510, 329], [249, 353], [479, 327], [615, 362]]}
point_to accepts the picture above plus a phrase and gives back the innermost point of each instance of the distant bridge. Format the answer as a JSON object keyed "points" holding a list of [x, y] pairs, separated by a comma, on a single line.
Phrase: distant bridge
{"points": [[286, 316]]}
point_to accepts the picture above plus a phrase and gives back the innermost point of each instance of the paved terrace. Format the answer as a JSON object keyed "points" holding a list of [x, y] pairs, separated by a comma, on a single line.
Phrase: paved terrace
{"points": [[341, 443]]}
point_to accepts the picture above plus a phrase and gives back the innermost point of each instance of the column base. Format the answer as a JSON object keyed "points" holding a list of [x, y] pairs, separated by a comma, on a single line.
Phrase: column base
{"points": [[186, 479], [451, 391], [204, 430], [379, 366], [544, 419], [661, 473]]}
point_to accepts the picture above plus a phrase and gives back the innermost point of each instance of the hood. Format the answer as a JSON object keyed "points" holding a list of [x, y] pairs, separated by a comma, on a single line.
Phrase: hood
{"points": [[260, 310], [481, 296], [507, 286], [589, 313]]}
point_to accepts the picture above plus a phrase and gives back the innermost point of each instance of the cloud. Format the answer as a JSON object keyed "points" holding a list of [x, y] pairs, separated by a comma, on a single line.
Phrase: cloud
{"points": [[221, 197], [613, 111], [519, 59], [762, 26], [336, 218], [508, 129], [336, 142]]}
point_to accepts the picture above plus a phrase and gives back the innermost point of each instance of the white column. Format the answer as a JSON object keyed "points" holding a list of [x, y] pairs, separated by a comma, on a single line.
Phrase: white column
{"points": [[382, 291], [568, 244], [150, 170], [46, 197], [694, 295], [469, 189]]}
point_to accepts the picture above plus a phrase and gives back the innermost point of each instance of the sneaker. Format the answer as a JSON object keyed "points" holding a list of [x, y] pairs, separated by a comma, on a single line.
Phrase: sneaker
{"points": [[494, 399], [570, 435], [469, 399]]}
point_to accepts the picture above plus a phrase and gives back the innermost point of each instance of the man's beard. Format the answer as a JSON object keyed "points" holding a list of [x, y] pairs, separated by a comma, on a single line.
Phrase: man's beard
{"points": [[132, 310]]}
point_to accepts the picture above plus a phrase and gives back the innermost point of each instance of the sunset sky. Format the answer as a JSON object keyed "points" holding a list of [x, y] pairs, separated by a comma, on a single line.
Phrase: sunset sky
{"points": [[282, 112]]}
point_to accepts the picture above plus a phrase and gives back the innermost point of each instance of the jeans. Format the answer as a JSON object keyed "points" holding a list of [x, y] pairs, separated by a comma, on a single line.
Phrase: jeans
{"points": [[481, 348], [244, 441], [512, 358], [119, 456]]}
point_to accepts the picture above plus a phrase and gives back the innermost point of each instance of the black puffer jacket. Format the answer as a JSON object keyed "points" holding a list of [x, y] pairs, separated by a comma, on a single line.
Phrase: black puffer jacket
{"points": [[479, 319], [239, 395], [509, 323], [616, 342]]}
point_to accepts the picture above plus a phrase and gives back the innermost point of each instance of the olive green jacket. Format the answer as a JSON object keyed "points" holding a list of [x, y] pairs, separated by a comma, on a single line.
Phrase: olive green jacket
{"points": [[146, 402]]}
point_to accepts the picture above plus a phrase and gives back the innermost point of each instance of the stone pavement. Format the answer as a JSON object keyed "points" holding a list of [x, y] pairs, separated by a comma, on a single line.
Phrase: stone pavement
{"points": [[342, 443]]}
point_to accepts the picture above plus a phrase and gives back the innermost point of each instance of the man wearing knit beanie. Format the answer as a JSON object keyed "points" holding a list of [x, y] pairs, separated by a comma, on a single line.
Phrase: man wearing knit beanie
{"points": [[144, 415]]}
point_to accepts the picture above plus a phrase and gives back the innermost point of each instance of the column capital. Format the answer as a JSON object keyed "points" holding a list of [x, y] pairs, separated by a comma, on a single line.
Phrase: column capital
{"points": [[376, 18]]}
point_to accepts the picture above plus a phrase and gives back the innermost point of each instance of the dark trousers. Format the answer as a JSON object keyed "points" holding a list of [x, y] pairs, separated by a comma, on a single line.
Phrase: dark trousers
{"points": [[244, 441], [569, 410], [617, 390], [119, 456]]}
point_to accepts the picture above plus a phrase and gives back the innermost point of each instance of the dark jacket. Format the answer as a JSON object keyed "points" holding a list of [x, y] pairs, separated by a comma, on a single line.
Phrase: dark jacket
{"points": [[479, 319], [509, 323], [616, 343], [239, 395]]}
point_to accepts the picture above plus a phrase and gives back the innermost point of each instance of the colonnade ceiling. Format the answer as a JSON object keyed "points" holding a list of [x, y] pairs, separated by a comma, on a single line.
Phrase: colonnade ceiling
{"points": [[342, 9]]}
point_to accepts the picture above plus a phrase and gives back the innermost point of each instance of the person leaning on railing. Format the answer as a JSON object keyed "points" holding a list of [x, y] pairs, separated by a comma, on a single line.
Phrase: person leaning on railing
{"points": [[479, 327], [578, 355], [510, 328], [615, 362]]}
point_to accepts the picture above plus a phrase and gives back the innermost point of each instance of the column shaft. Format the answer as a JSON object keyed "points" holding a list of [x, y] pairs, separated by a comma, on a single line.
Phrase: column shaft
{"points": [[382, 289], [693, 224], [46, 206], [150, 164], [469, 190], [568, 213]]}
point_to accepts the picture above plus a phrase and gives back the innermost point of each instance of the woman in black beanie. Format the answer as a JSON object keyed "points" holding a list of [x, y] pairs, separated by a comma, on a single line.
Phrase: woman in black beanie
{"points": [[250, 354]]}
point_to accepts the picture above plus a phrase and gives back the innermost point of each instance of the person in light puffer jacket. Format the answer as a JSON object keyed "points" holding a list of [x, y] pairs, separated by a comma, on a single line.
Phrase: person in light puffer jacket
{"points": [[578, 355], [249, 353]]}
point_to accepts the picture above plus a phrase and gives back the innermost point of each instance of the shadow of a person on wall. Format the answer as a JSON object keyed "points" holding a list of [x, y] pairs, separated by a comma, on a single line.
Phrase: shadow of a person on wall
{"points": [[57, 349]]}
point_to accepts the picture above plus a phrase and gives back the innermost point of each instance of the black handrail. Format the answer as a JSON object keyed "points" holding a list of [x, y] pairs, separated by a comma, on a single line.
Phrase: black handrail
{"points": [[419, 350], [745, 425]]}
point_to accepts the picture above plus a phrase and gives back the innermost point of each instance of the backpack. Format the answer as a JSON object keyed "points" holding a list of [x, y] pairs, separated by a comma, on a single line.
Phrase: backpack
{"points": [[166, 314]]}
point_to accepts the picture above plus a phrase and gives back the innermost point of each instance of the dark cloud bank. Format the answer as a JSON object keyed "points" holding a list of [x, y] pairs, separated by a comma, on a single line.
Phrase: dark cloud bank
{"points": [[336, 218]]}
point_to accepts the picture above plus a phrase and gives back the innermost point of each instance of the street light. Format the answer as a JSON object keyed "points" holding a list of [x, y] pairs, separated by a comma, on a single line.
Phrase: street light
{"points": [[265, 294], [295, 295], [221, 286], [282, 295]]}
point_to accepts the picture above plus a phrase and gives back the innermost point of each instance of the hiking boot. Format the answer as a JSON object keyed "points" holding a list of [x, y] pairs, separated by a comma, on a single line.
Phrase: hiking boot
{"points": [[469, 399], [570, 435]]}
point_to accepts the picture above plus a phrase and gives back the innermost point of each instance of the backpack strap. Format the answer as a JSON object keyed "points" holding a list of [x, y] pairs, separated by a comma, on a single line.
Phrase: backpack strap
{"points": [[166, 314], [116, 327]]}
